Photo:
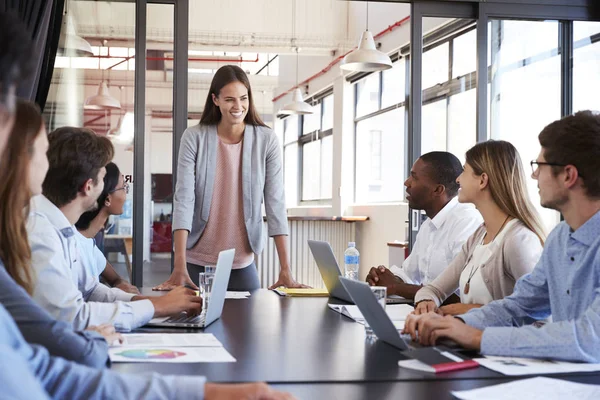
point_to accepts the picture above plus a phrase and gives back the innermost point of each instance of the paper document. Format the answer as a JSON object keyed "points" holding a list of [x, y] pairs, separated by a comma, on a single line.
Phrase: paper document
{"points": [[232, 295], [166, 354], [171, 339], [348, 310], [533, 389], [515, 366], [396, 312], [237, 295], [293, 292]]}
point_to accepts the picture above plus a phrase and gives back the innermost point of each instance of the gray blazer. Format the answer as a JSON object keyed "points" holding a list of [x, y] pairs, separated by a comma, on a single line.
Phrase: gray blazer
{"points": [[514, 256], [262, 180]]}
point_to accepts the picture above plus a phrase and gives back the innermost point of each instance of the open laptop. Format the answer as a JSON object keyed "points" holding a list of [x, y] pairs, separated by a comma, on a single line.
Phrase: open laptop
{"points": [[330, 272], [215, 305], [384, 328]]}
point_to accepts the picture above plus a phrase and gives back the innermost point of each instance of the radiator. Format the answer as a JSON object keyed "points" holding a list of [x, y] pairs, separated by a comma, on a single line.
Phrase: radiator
{"points": [[302, 263]]}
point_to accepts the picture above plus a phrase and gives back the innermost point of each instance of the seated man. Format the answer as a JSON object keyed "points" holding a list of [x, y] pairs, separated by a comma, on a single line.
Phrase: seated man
{"points": [[566, 281], [431, 187], [77, 159]]}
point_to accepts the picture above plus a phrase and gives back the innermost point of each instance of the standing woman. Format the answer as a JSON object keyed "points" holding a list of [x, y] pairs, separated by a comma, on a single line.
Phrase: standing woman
{"points": [[228, 165]]}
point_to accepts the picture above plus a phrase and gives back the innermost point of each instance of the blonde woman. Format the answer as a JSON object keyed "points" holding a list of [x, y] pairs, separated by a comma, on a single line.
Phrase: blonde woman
{"points": [[503, 249]]}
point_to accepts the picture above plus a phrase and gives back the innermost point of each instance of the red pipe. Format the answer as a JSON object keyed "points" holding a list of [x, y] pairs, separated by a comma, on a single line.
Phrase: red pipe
{"points": [[338, 59]]}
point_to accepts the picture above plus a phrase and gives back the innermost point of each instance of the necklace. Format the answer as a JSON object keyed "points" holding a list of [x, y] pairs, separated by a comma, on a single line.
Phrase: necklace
{"points": [[473, 269]]}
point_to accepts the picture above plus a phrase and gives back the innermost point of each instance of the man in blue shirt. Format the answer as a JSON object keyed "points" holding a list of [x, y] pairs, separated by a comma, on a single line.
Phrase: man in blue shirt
{"points": [[565, 283]]}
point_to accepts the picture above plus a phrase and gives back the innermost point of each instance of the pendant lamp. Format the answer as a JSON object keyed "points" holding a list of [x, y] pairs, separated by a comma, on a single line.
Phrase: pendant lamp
{"points": [[366, 58]]}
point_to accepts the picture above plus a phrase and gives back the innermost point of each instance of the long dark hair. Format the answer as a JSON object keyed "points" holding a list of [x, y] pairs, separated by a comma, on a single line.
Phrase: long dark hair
{"points": [[15, 194], [111, 180], [224, 76], [500, 160]]}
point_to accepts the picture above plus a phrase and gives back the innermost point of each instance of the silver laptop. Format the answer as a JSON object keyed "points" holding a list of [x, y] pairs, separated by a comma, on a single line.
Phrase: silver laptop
{"points": [[330, 272], [215, 305], [374, 314]]}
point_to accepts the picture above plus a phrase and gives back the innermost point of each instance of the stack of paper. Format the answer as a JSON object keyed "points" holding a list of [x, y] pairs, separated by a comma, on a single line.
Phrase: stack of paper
{"points": [[534, 389], [515, 366], [170, 348], [396, 312]]}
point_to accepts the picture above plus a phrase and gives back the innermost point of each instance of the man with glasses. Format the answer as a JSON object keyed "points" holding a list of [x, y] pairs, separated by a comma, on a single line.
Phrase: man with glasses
{"points": [[565, 283]]}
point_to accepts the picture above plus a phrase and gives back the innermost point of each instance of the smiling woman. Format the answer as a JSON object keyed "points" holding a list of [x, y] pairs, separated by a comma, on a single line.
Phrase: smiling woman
{"points": [[229, 164]]}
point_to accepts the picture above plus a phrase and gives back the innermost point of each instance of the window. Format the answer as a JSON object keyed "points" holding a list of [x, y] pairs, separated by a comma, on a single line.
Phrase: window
{"points": [[379, 129], [525, 90], [393, 85], [380, 157], [367, 95], [317, 151], [586, 66], [290, 160], [435, 65], [308, 157], [433, 127]]}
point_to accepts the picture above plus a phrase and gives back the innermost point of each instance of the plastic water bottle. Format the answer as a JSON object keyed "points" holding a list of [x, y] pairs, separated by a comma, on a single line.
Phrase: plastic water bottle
{"points": [[351, 259]]}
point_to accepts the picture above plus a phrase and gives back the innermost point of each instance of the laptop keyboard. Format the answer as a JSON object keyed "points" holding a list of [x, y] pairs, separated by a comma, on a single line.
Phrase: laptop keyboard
{"points": [[184, 318]]}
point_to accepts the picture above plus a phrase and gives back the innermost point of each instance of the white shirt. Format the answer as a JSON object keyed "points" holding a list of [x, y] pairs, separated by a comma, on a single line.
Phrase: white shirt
{"points": [[92, 263], [56, 261], [478, 291], [439, 240]]}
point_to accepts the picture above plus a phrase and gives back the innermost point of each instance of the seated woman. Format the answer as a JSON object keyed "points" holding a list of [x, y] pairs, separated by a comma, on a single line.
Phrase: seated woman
{"points": [[23, 165], [110, 202], [503, 249]]}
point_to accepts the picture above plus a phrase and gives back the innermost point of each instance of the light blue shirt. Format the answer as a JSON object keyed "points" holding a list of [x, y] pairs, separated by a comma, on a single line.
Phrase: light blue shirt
{"points": [[92, 262], [38, 327], [565, 284], [56, 260], [63, 379]]}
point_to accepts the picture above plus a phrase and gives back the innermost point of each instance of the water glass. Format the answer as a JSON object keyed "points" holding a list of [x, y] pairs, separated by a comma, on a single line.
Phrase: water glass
{"points": [[380, 293], [205, 281]]}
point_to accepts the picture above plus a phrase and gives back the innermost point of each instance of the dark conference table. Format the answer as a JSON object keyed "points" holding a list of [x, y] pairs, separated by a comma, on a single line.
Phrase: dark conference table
{"points": [[300, 345]]}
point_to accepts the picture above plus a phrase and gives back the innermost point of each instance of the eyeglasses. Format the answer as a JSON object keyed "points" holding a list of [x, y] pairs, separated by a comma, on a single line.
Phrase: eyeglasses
{"points": [[125, 188], [536, 164]]}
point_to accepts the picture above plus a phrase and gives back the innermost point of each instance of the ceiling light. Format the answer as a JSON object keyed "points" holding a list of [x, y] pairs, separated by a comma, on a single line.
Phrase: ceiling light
{"points": [[102, 100]]}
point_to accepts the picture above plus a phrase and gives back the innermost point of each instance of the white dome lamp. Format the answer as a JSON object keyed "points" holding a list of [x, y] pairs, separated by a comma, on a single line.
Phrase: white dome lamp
{"points": [[102, 100], [366, 58], [69, 43], [298, 106]]}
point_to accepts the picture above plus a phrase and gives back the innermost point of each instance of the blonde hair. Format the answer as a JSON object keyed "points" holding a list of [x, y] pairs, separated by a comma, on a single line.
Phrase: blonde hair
{"points": [[501, 162]]}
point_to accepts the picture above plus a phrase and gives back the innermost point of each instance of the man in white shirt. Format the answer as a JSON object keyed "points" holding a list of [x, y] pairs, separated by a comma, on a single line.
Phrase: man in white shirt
{"points": [[77, 159], [432, 188]]}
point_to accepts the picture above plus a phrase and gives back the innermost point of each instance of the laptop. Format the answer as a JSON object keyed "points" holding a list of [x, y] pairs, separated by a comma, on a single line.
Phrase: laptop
{"points": [[384, 328], [330, 272], [215, 305]]}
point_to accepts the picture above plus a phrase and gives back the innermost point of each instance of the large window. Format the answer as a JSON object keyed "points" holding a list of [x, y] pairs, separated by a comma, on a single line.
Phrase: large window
{"points": [[380, 157], [448, 83], [317, 151], [380, 99], [525, 89], [586, 66], [308, 155]]}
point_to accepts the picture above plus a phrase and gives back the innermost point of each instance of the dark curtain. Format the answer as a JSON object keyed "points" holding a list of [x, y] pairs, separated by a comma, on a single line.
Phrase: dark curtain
{"points": [[43, 19]]}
